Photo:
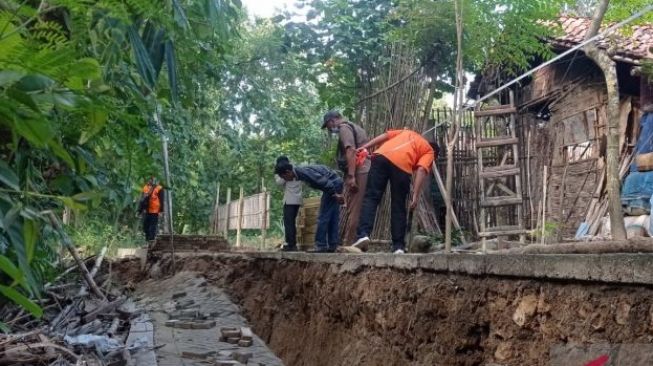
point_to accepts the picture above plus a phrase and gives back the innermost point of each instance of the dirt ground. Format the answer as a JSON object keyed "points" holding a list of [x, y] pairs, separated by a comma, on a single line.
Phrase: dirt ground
{"points": [[317, 314]]}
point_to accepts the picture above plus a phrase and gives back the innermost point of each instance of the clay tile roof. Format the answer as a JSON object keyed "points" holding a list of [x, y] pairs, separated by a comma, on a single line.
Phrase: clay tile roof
{"points": [[629, 48]]}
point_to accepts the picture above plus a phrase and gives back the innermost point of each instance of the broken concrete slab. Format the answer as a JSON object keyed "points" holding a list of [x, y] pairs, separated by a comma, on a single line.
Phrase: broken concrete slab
{"points": [[610, 268]]}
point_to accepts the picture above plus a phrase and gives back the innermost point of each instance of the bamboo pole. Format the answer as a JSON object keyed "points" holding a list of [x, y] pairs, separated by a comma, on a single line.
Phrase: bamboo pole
{"points": [[239, 227], [73, 252], [445, 197], [544, 175], [264, 198], [528, 177], [216, 211], [226, 219]]}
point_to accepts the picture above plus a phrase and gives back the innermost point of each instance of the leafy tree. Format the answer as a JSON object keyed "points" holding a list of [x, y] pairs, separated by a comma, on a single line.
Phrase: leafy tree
{"points": [[79, 82]]}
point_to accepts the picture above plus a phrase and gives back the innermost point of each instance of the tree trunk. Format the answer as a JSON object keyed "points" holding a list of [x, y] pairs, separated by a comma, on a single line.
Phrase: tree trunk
{"points": [[609, 69], [453, 131]]}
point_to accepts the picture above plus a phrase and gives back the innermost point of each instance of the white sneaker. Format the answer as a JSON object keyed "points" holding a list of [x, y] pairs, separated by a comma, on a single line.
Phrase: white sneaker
{"points": [[362, 243], [399, 251]]}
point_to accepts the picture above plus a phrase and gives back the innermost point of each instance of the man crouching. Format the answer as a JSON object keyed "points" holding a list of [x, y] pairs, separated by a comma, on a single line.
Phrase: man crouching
{"points": [[326, 180]]}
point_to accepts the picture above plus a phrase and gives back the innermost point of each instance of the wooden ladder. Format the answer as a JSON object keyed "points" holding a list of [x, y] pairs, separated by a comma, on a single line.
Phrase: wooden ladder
{"points": [[494, 187]]}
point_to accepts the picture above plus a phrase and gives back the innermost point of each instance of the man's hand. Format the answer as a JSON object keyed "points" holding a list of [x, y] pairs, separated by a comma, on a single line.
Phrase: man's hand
{"points": [[413, 202], [339, 198], [350, 181]]}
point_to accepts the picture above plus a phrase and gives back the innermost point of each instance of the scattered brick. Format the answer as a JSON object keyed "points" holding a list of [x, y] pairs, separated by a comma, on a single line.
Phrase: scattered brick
{"points": [[197, 355], [230, 332], [178, 295], [242, 357], [227, 363], [207, 324], [245, 343], [246, 333]]}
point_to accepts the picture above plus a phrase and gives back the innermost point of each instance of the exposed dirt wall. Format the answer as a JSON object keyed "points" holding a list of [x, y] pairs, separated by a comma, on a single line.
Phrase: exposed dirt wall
{"points": [[315, 314]]}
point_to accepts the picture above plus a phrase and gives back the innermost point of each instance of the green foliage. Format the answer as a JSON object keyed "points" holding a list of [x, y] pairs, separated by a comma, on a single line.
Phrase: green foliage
{"points": [[550, 230], [96, 233], [457, 236], [343, 42], [79, 82]]}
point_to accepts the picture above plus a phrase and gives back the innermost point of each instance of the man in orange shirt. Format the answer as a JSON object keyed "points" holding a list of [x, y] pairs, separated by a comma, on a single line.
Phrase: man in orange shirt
{"points": [[151, 206], [402, 153]]}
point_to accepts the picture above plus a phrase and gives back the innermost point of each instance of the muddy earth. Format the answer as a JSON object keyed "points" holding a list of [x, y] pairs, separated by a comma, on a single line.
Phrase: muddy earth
{"points": [[321, 314]]}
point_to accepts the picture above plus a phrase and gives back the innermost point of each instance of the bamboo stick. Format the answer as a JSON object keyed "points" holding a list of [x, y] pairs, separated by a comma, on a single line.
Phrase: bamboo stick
{"points": [[239, 226], [544, 175], [73, 252]]}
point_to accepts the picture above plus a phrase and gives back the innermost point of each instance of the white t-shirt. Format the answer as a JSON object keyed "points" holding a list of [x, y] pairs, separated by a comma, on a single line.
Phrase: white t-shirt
{"points": [[292, 191]]}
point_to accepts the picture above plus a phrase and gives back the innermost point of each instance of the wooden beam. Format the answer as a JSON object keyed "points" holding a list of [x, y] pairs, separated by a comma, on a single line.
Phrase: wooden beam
{"points": [[504, 233], [495, 111], [501, 201], [497, 141], [499, 172]]}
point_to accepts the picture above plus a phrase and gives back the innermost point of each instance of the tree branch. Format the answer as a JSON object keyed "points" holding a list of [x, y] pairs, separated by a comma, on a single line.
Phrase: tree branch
{"points": [[391, 85]]}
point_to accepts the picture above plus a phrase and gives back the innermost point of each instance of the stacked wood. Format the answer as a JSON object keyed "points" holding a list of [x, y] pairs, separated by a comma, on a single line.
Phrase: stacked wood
{"points": [[598, 206], [307, 223], [78, 326]]}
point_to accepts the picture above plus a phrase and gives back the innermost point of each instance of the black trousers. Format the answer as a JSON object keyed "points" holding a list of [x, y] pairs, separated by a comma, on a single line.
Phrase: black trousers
{"points": [[382, 172], [290, 229], [150, 222]]}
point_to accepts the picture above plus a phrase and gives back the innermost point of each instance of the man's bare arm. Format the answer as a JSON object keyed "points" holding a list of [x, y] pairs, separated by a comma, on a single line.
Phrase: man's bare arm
{"points": [[420, 177], [378, 140]]}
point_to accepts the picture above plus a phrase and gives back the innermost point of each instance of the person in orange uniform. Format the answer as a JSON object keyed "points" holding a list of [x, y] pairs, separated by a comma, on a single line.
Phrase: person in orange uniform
{"points": [[401, 154], [151, 206]]}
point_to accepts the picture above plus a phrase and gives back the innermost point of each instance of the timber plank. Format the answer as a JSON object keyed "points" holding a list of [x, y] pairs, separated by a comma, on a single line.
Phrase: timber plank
{"points": [[497, 141], [500, 171], [501, 201]]}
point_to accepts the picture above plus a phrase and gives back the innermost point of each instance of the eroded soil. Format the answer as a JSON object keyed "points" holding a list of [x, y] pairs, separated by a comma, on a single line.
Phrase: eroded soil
{"points": [[318, 314]]}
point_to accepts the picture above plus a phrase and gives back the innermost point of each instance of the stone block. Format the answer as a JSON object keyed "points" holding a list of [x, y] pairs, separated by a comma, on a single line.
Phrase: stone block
{"points": [[178, 295], [233, 340], [228, 332], [198, 355], [227, 363], [242, 357], [207, 324], [246, 333], [184, 304], [245, 343]]}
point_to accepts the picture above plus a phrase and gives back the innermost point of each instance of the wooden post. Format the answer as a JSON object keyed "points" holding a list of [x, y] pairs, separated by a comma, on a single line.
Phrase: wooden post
{"points": [[267, 212], [264, 213], [216, 210], [226, 219], [544, 201], [239, 227], [445, 197]]}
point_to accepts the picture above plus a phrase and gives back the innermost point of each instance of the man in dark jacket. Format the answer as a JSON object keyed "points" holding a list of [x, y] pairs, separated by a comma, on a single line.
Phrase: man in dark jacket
{"points": [[326, 180]]}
